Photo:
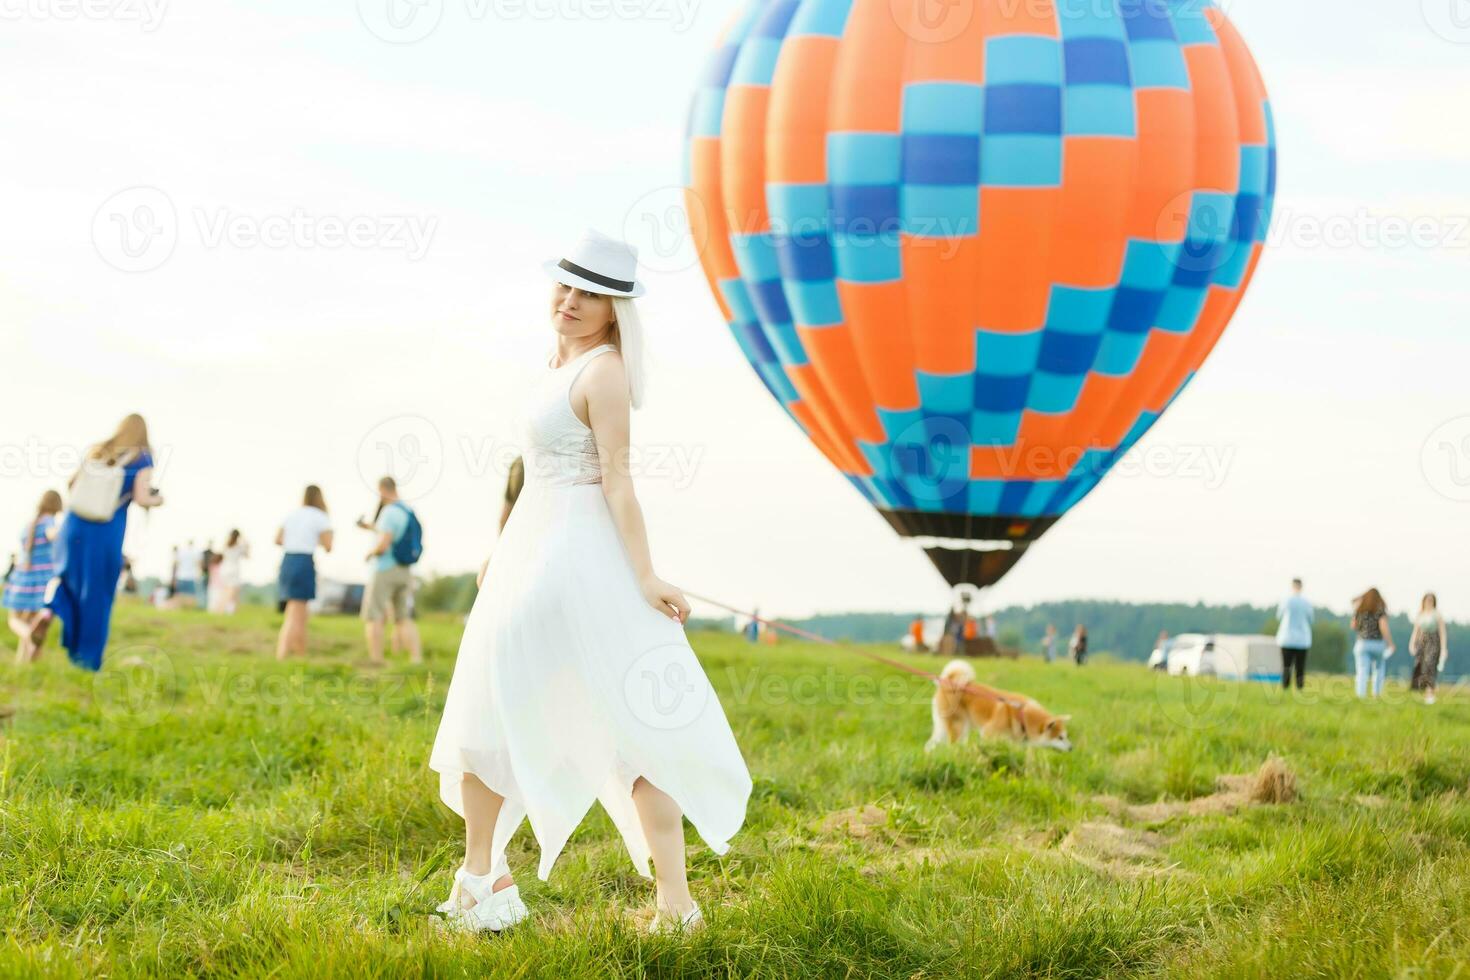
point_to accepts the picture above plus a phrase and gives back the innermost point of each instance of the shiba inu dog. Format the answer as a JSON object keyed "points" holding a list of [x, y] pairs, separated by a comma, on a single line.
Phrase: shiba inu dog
{"points": [[960, 705]]}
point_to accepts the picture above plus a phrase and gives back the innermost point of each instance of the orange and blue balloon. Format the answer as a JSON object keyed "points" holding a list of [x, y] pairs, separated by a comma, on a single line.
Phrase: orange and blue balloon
{"points": [[976, 249]]}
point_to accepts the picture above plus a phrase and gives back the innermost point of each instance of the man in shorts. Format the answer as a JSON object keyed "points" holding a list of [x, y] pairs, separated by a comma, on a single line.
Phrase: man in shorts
{"points": [[390, 583]]}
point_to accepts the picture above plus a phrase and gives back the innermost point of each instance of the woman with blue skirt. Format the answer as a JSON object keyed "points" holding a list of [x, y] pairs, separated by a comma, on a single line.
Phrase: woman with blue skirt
{"points": [[89, 549], [301, 532]]}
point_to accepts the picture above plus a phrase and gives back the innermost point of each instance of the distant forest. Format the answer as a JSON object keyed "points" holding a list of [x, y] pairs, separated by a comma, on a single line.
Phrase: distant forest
{"points": [[1125, 630]]}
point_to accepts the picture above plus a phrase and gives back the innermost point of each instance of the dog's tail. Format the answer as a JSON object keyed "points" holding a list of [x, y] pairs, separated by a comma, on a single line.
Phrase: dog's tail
{"points": [[958, 672]]}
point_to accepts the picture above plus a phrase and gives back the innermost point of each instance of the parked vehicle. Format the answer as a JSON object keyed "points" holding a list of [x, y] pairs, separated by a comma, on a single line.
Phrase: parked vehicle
{"points": [[1227, 656], [1191, 653], [1159, 659], [344, 598]]}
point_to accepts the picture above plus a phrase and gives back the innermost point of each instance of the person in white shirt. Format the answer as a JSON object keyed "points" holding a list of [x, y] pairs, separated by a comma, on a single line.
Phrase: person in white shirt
{"points": [[224, 592], [1294, 635], [188, 573], [301, 532]]}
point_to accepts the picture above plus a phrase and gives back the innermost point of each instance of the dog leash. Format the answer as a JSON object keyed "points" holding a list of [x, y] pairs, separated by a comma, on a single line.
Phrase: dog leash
{"points": [[980, 689]]}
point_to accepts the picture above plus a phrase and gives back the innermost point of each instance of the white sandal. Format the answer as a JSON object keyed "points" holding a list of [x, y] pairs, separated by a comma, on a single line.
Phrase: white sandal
{"points": [[663, 922], [492, 911]]}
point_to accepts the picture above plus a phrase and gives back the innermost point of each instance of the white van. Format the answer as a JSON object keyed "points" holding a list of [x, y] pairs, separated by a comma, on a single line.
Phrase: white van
{"points": [[1228, 656]]}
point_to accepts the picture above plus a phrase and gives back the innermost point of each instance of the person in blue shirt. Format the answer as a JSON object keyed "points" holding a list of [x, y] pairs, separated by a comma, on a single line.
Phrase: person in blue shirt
{"points": [[1294, 635], [753, 628], [390, 582]]}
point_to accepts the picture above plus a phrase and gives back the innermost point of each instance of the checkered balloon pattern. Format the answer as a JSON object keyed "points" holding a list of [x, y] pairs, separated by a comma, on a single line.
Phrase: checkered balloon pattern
{"points": [[975, 249]]}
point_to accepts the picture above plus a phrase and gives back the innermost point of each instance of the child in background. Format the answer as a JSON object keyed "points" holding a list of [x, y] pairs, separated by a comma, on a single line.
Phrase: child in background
{"points": [[25, 589]]}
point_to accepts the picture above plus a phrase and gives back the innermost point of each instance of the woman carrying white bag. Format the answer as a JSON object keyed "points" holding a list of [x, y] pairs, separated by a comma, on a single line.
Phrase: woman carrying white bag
{"points": [[115, 472]]}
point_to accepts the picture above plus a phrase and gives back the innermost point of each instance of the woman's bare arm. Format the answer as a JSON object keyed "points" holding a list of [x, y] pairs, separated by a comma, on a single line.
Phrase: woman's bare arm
{"points": [[143, 494], [608, 410]]}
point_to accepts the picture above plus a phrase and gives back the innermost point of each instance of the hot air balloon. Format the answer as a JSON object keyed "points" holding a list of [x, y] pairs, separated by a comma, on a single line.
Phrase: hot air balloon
{"points": [[976, 249]]}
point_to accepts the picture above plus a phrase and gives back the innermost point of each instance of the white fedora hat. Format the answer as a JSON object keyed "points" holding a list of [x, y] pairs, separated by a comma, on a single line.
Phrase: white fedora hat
{"points": [[598, 264]]}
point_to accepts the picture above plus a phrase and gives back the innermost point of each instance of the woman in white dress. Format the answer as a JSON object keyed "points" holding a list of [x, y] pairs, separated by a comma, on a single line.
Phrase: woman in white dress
{"points": [[224, 592], [574, 680]]}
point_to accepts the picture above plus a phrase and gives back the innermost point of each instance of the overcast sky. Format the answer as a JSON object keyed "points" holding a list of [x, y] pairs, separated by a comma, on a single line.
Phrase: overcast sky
{"points": [[354, 200]]}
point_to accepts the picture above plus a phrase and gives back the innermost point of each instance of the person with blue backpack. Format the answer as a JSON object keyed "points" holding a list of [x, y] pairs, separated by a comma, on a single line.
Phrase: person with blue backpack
{"points": [[399, 546]]}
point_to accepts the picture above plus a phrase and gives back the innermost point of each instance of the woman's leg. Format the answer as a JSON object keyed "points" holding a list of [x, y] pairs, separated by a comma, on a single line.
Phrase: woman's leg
{"points": [[20, 625], [663, 826], [284, 638], [1380, 669], [481, 810], [1360, 669], [302, 615]]}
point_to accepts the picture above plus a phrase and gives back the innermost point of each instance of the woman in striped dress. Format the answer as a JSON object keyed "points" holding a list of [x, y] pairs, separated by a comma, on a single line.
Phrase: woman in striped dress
{"points": [[25, 593]]}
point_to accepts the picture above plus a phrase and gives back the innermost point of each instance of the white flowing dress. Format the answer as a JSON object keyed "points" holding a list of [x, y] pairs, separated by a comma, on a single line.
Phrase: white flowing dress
{"points": [[569, 685]]}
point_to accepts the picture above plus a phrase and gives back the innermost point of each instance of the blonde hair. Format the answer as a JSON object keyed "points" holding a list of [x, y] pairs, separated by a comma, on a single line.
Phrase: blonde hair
{"points": [[626, 331], [313, 498], [50, 504], [130, 438]]}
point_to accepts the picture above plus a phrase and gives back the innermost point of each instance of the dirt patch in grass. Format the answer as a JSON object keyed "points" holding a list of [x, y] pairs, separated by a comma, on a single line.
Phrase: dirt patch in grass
{"points": [[856, 821], [1114, 850], [1273, 783]]}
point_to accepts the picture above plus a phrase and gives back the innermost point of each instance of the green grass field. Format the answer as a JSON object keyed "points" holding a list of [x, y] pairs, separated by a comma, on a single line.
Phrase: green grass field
{"points": [[208, 812]]}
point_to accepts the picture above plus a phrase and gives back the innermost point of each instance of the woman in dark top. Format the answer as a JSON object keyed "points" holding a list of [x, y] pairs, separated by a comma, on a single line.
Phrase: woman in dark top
{"points": [[1374, 643], [1079, 645]]}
